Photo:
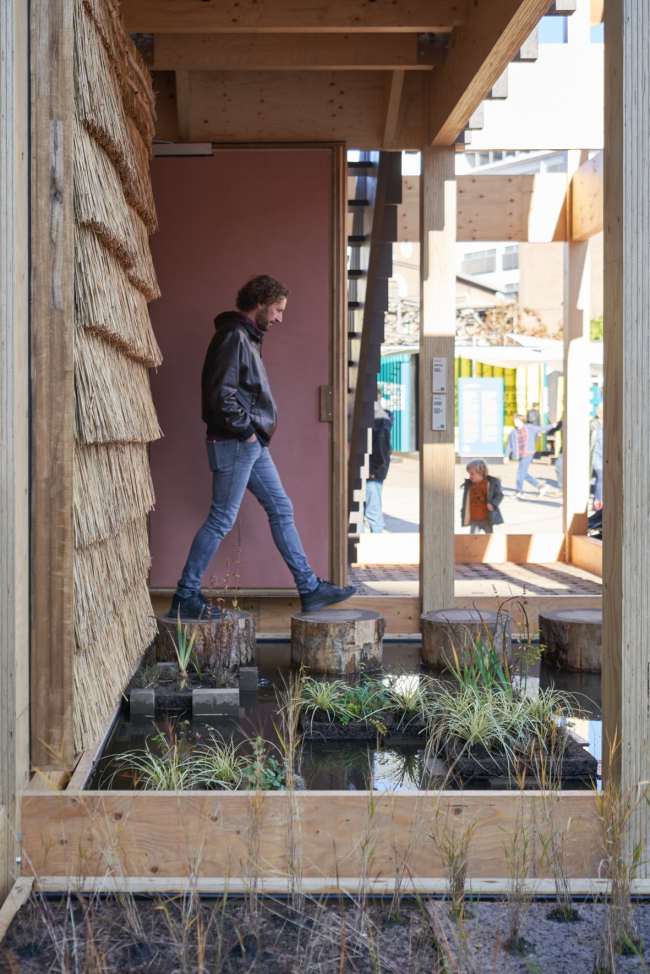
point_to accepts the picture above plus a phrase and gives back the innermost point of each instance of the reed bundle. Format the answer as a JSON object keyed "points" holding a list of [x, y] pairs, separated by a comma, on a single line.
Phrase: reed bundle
{"points": [[104, 574], [142, 274], [115, 417], [99, 201], [138, 190], [112, 486], [98, 99], [107, 303], [101, 674], [113, 401], [132, 74]]}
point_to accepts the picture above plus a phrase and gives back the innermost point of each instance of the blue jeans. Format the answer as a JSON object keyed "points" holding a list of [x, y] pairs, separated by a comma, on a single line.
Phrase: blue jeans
{"points": [[372, 507], [523, 474], [236, 466], [598, 491]]}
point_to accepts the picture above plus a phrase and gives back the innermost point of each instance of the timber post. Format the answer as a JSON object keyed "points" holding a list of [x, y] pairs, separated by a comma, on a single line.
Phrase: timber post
{"points": [[14, 428], [437, 390], [575, 426], [626, 528]]}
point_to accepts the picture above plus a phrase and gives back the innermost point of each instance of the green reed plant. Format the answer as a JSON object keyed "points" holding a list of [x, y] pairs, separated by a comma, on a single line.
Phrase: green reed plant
{"points": [[184, 647]]}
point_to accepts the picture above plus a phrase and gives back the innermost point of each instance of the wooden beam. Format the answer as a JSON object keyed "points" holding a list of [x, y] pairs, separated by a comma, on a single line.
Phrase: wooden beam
{"points": [[479, 54], [18, 896], [587, 187], [111, 832], [393, 115], [293, 52], [52, 371], [14, 435], [183, 94], [587, 553], [626, 531], [577, 381], [437, 331], [292, 16], [522, 207]]}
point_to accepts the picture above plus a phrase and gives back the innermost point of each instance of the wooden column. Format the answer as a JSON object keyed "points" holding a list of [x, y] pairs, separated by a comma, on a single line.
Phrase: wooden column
{"points": [[575, 431], [52, 382], [338, 513], [14, 428], [437, 330], [626, 531]]}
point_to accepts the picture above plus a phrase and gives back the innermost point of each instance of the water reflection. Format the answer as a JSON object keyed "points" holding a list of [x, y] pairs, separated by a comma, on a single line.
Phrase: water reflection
{"points": [[344, 766]]}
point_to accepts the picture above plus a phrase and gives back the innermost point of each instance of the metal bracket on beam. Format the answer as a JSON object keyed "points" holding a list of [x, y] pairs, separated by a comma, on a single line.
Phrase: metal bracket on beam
{"points": [[432, 48]]}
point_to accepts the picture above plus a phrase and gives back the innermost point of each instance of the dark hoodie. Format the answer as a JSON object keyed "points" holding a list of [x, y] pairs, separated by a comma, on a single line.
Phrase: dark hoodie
{"points": [[235, 392]]}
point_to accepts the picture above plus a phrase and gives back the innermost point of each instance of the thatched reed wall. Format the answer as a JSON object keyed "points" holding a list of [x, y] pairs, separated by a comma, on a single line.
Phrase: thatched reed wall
{"points": [[114, 349]]}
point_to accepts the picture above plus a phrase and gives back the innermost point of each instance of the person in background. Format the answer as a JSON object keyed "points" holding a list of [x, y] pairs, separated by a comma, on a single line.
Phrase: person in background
{"points": [[379, 464], [521, 446], [482, 495], [533, 415], [596, 455]]}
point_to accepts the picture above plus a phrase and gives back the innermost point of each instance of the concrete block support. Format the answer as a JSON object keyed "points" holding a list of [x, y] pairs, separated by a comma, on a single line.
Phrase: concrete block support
{"points": [[626, 498], [215, 703], [437, 331]]}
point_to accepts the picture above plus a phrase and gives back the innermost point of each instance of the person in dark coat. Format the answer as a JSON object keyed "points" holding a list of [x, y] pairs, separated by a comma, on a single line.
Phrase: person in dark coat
{"points": [[482, 495], [379, 464], [239, 411]]}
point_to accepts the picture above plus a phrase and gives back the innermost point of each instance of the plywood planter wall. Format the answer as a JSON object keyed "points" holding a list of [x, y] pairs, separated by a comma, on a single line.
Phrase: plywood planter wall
{"points": [[114, 348]]}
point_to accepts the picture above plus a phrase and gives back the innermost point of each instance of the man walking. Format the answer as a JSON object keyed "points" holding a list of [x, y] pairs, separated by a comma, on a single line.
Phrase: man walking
{"points": [[240, 413], [521, 446]]}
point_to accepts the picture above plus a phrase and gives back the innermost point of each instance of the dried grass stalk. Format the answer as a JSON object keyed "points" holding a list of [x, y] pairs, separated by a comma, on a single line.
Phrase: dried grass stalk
{"points": [[138, 190], [108, 304], [112, 485], [100, 674], [143, 275], [98, 99], [113, 401], [99, 201], [104, 574]]}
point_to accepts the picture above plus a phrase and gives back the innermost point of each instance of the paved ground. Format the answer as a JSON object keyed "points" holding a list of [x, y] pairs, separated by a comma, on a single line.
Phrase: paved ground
{"points": [[501, 580], [533, 514]]}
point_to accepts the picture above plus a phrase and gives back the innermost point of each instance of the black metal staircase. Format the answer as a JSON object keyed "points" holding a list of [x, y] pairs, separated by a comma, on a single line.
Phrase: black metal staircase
{"points": [[377, 181]]}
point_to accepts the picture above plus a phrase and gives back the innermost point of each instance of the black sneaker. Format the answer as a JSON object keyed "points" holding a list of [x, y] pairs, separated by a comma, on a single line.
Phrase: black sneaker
{"points": [[193, 607], [326, 594]]}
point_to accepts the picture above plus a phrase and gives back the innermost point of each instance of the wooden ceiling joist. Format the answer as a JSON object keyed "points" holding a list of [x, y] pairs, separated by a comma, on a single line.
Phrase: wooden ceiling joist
{"points": [[478, 56], [293, 16], [287, 52]]}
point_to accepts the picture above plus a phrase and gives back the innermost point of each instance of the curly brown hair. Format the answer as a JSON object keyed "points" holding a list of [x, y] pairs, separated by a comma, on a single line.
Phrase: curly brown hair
{"points": [[261, 289]]}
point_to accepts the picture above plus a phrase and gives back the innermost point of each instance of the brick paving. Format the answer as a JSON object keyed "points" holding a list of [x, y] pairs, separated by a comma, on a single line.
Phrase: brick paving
{"points": [[481, 579]]}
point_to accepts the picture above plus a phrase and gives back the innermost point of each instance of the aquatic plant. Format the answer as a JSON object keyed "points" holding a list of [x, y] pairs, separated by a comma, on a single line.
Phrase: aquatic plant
{"points": [[184, 647]]}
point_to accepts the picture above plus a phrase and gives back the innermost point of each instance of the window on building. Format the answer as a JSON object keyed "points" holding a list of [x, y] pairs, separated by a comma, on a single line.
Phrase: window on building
{"points": [[511, 290], [480, 262], [510, 259]]}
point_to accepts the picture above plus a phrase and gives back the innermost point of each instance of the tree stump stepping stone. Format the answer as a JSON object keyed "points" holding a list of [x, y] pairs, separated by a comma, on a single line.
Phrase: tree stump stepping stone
{"points": [[338, 641], [572, 639], [446, 630], [227, 640]]}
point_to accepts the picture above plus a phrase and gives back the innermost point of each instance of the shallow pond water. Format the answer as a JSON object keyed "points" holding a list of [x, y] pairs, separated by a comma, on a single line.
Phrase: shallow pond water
{"points": [[339, 765]]}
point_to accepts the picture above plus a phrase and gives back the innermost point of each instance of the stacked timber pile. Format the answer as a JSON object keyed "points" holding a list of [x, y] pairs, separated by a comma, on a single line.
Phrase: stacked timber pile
{"points": [[114, 349]]}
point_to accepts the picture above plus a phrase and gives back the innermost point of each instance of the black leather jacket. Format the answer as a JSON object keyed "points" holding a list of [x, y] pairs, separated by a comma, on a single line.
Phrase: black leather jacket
{"points": [[235, 392]]}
